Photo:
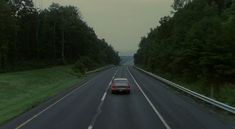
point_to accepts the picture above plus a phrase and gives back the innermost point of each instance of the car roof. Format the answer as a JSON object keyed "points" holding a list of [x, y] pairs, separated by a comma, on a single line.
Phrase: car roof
{"points": [[120, 79]]}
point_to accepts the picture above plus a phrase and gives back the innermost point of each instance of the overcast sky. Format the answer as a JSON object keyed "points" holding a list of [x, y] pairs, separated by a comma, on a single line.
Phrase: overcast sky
{"points": [[121, 23]]}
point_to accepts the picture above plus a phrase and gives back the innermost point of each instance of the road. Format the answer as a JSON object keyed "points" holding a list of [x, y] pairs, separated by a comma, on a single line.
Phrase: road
{"points": [[151, 105]]}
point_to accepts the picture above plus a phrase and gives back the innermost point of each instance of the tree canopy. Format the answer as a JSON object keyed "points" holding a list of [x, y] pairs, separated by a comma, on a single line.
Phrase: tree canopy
{"points": [[197, 42], [31, 38]]}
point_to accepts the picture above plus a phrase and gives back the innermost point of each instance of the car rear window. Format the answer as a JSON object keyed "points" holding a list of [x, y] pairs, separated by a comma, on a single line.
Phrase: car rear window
{"points": [[120, 82]]}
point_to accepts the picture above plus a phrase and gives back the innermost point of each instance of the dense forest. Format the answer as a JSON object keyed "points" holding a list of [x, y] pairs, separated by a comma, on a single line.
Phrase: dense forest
{"points": [[195, 43], [33, 38]]}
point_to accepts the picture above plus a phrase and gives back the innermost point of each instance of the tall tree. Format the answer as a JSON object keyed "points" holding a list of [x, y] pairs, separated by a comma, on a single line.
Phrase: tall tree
{"points": [[7, 25]]}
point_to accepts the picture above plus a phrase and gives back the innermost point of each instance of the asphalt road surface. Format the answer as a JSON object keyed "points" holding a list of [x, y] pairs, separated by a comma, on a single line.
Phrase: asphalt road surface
{"points": [[151, 105]]}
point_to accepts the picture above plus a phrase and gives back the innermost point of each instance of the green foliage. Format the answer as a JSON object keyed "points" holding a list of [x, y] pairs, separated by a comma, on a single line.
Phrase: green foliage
{"points": [[79, 68], [196, 43], [31, 38], [7, 26], [84, 64]]}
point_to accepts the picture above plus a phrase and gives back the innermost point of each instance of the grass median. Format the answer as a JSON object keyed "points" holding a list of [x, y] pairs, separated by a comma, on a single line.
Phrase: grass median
{"points": [[20, 91]]}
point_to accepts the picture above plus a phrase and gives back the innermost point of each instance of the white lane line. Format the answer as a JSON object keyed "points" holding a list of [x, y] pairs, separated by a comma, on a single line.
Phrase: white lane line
{"points": [[102, 99], [101, 103], [151, 104], [90, 127], [50, 106]]}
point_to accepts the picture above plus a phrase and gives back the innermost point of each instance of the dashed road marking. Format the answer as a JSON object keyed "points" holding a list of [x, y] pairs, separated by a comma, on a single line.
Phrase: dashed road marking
{"points": [[102, 99], [53, 104], [101, 103]]}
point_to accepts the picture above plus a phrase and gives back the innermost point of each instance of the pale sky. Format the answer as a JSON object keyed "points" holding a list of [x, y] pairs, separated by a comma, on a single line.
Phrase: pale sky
{"points": [[121, 23]]}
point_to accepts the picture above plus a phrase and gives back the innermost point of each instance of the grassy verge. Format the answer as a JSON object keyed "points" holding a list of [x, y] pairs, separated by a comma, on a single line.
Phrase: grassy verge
{"points": [[20, 91], [224, 93]]}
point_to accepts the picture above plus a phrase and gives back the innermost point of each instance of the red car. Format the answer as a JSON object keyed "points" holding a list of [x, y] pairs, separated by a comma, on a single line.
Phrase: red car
{"points": [[120, 85]]}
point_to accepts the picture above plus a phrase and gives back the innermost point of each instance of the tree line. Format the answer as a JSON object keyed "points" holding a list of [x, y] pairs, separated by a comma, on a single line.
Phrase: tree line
{"points": [[197, 42], [33, 38]]}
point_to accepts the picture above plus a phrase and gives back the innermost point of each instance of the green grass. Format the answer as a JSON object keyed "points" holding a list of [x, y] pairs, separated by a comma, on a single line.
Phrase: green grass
{"points": [[224, 93], [20, 91], [228, 94]]}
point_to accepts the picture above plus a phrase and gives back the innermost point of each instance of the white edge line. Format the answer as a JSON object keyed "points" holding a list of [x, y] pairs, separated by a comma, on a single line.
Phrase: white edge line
{"points": [[50, 106], [192, 93], [151, 104]]}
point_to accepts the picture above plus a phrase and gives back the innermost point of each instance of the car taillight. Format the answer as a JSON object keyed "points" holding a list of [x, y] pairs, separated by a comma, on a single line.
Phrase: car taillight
{"points": [[129, 85], [113, 86]]}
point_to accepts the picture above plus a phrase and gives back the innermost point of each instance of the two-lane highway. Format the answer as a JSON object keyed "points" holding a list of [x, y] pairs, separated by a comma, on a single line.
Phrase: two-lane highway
{"points": [[151, 105], [127, 111]]}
